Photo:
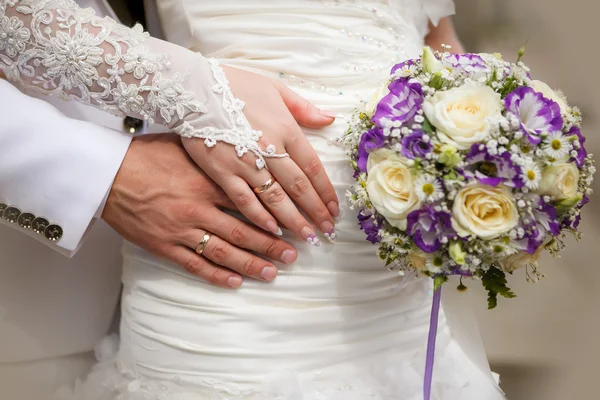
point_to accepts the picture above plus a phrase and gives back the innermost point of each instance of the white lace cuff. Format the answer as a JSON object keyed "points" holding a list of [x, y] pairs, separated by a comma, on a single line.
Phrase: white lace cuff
{"points": [[57, 48]]}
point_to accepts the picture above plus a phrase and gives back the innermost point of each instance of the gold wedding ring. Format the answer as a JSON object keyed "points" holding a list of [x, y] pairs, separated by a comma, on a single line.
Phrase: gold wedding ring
{"points": [[264, 187], [202, 245]]}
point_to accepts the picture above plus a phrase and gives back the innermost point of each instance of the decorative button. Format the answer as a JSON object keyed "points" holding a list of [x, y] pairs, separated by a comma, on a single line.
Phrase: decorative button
{"points": [[53, 233], [133, 125], [11, 214], [39, 225], [25, 220]]}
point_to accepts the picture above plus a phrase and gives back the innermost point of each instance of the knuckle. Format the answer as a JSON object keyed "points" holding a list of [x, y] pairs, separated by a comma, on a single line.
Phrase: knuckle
{"points": [[194, 266], [190, 212], [322, 214], [300, 186], [288, 125], [238, 235], [270, 249], [313, 168], [275, 196], [219, 253], [214, 276], [244, 199], [248, 266]]}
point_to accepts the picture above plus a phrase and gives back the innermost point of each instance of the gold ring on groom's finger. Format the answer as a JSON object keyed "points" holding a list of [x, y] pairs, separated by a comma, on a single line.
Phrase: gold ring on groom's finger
{"points": [[264, 187], [202, 245]]}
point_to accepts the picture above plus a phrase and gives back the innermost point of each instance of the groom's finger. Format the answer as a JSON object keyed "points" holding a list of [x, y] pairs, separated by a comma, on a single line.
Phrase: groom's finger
{"points": [[224, 254], [203, 268], [248, 237]]}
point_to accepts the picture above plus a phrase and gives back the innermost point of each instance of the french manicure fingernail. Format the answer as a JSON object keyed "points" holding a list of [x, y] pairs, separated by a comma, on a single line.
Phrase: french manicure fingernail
{"points": [[234, 282], [268, 273], [274, 228], [334, 209], [288, 256], [329, 231], [309, 235]]}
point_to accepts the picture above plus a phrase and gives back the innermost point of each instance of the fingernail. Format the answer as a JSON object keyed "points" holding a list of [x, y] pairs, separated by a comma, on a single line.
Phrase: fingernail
{"points": [[334, 209], [234, 282], [329, 230], [288, 256], [274, 228], [309, 235], [328, 114], [268, 273]]}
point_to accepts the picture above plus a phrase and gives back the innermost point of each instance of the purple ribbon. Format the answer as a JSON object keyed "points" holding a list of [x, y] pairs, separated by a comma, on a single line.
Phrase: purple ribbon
{"points": [[433, 327]]}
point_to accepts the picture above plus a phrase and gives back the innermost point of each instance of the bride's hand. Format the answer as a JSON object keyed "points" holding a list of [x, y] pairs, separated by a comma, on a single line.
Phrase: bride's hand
{"points": [[276, 111]]}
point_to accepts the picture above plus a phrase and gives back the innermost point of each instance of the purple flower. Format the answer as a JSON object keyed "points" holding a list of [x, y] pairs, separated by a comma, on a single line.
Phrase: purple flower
{"points": [[413, 145], [369, 141], [581, 152], [537, 114], [491, 169], [545, 215], [403, 65], [401, 104], [534, 237], [370, 225], [574, 222], [467, 62], [428, 228], [537, 225]]}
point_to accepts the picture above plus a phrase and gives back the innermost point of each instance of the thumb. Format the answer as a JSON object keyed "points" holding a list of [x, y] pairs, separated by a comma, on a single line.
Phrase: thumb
{"points": [[304, 112]]}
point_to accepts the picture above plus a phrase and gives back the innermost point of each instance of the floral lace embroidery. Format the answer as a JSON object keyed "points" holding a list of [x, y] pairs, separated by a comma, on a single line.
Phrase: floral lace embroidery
{"points": [[242, 136], [57, 48]]}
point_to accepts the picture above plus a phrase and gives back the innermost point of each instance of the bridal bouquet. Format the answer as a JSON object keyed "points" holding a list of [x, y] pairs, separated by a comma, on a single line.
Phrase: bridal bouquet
{"points": [[466, 166]]}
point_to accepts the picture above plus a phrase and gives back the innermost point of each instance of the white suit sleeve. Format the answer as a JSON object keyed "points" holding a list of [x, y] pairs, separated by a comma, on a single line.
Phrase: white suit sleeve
{"points": [[57, 48], [54, 171]]}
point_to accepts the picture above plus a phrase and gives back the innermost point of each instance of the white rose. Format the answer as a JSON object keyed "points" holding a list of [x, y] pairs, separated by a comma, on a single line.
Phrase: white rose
{"points": [[461, 114], [377, 96], [520, 260], [484, 211], [390, 186], [559, 181], [548, 93]]}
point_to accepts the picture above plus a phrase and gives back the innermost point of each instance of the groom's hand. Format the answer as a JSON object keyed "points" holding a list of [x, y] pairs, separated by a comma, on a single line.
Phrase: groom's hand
{"points": [[162, 202]]}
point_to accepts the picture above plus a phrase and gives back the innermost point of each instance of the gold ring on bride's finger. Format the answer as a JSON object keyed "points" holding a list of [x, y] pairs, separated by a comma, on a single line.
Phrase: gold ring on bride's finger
{"points": [[264, 187], [202, 245]]}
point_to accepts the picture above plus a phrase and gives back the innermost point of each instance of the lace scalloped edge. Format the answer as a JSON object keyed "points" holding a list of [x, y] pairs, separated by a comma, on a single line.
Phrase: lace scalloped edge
{"points": [[242, 136]]}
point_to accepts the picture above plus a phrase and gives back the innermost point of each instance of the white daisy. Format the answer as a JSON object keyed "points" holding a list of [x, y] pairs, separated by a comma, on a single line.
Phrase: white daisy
{"points": [[437, 264], [556, 146], [532, 174], [428, 188], [502, 247]]}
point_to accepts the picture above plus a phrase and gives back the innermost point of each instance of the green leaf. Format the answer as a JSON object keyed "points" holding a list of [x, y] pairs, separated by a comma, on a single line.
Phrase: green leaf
{"points": [[427, 127], [438, 281], [436, 81], [494, 281]]}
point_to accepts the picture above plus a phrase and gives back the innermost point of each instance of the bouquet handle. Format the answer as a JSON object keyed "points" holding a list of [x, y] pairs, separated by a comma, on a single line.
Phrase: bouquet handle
{"points": [[433, 327]]}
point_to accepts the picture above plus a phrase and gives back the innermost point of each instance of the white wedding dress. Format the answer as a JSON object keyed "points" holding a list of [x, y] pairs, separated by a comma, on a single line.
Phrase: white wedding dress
{"points": [[333, 326]]}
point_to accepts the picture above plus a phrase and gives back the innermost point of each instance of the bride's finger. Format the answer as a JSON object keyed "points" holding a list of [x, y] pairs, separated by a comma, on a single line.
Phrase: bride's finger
{"points": [[282, 207], [222, 253], [247, 203], [203, 268], [302, 153], [299, 188]]}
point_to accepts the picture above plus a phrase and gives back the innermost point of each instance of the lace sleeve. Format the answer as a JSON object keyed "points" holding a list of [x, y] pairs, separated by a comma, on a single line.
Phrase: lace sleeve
{"points": [[57, 48]]}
